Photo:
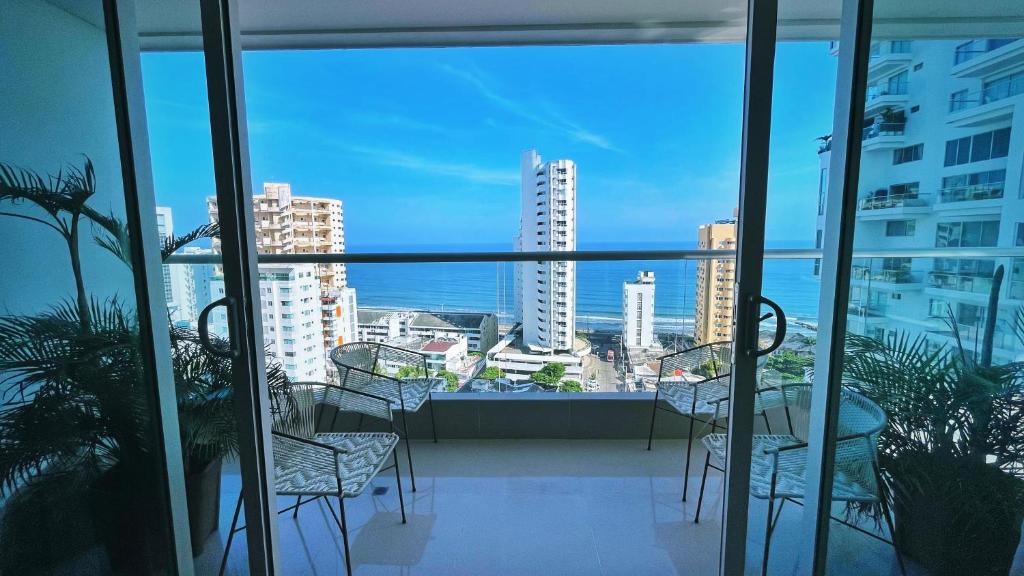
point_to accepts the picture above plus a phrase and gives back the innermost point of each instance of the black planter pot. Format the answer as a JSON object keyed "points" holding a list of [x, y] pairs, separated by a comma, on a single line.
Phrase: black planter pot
{"points": [[959, 518], [202, 489], [131, 521]]}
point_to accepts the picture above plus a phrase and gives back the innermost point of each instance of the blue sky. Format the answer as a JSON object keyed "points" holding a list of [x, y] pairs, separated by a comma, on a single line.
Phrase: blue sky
{"points": [[422, 145]]}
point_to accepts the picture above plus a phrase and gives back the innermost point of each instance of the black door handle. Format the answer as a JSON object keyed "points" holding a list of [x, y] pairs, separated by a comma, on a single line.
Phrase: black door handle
{"points": [[204, 329], [780, 326]]}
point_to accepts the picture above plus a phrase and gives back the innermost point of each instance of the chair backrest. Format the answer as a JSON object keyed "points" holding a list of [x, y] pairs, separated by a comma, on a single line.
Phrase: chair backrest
{"points": [[858, 415], [293, 411], [708, 360], [359, 355]]}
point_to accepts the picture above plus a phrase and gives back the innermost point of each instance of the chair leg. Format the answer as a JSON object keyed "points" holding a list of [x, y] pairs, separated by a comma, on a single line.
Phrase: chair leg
{"points": [[398, 479], [767, 424], [231, 535], [344, 534], [408, 450], [654, 412], [430, 403], [689, 448], [703, 480], [768, 529], [295, 513]]}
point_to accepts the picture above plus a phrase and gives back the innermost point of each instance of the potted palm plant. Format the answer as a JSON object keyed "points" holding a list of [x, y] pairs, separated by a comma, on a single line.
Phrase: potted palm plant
{"points": [[75, 417], [953, 452]]}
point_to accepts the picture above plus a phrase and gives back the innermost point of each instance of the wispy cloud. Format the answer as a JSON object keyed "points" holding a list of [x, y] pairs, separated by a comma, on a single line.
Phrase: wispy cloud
{"points": [[539, 113], [329, 143]]}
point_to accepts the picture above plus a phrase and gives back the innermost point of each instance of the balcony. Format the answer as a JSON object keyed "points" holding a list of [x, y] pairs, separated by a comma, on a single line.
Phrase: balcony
{"points": [[884, 135], [980, 197], [963, 284], [886, 206], [984, 57], [890, 279], [882, 96], [983, 107], [888, 57]]}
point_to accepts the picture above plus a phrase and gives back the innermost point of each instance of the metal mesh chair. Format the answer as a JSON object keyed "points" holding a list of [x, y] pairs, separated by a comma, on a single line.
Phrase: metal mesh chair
{"points": [[695, 383], [324, 465], [779, 461], [364, 366]]}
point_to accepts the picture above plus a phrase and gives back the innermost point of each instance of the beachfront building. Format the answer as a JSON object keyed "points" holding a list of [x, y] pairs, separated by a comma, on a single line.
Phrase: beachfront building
{"points": [[378, 325], [202, 274], [716, 279], [941, 162], [179, 284], [338, 317], [638, 311], [289, 224], [546, 290], [290, 307]]}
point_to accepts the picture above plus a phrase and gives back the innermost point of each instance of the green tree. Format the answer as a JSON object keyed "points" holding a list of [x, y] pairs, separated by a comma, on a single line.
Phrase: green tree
{"points": [[550, 374], [790, 364], [452, 381], [411, 372], [571, 386], [491, 372]]}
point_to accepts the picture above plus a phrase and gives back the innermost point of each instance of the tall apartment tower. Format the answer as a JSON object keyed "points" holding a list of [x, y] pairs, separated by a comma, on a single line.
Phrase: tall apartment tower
{"points": [[179, 284], [941, 167], [546, 290], [716, 280], [290, 307], [287, 224], [638, 311]]}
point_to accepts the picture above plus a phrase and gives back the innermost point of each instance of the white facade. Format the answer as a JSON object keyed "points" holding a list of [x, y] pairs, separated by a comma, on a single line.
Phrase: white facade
{"points": [[291, 314], [383, 325], [942, 152], [519, 363], [638, 311], [546, 291], [179, 284], [339, 318]]}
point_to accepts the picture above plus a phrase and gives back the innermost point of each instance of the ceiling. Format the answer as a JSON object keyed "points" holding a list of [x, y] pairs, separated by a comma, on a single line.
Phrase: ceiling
{"points": [[279, 24]]}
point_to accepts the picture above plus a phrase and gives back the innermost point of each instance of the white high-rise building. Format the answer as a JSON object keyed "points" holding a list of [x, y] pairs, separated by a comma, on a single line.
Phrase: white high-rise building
{"points": [[179, 284], [941, 168], [638, 311], [546, 291], [291, 313]]}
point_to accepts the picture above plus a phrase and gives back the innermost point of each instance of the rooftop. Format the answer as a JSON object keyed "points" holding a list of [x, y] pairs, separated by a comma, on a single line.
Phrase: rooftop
{"points": [[451, 320], [437, 346]]}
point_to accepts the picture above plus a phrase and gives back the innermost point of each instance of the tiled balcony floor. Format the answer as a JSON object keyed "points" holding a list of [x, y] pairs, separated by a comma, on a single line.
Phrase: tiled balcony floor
{"points": [[534, 507]]}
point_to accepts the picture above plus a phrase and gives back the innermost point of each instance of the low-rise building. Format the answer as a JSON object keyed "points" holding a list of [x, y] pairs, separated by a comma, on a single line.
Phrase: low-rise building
{"points": [[519, 361], [381, 325]]}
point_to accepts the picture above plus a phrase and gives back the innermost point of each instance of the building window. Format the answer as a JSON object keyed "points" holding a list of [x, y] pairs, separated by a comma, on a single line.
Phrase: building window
{"points": [[896, 228], [984, 146], [907, 154], [967, 234]]}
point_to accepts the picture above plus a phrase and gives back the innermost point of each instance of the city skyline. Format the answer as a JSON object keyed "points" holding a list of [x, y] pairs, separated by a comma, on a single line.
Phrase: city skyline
{"points": [[657, 133]]}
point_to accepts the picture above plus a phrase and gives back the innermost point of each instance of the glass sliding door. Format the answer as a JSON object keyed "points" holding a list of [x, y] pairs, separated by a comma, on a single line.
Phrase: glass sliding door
{"points": [[926, 441], [91, 468]]}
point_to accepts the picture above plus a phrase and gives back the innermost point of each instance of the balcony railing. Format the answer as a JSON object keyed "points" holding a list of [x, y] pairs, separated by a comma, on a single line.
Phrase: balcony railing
{"points": [[970, 283], [975, 48], [966, 100], [900, 276], [894, 201], [971, 192], [884, 129]]}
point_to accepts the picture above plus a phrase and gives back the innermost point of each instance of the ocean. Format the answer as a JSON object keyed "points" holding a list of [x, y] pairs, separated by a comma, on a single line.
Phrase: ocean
{"points": [[488, 286]]}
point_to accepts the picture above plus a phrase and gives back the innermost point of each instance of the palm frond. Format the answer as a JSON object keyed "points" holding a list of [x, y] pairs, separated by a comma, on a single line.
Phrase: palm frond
{"points": [[110, 233], [174, 243]]}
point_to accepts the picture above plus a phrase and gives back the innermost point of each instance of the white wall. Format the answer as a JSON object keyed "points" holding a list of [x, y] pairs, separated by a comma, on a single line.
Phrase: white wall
{"points": [[55, 107]]}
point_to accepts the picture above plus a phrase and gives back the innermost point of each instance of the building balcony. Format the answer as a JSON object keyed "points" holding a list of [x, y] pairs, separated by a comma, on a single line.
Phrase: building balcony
{"points": [[886, 206], [980, 197], [893, 279], [884, 135], [887, 58], [984, 107], [954, 284], [984, 57], [882, 97]]}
